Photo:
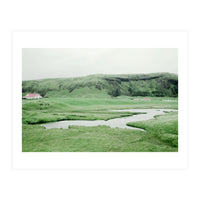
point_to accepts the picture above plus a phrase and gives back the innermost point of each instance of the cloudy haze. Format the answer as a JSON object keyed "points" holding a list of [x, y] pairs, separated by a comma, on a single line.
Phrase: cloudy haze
{"points": [[55, 63]]}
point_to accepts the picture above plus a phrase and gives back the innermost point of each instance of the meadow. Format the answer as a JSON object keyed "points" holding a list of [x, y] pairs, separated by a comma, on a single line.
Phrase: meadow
{"points": [[161, 133]]}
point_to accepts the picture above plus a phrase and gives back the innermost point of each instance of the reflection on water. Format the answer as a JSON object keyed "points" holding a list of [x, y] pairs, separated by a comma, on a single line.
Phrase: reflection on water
{"points": [[113, 123]]}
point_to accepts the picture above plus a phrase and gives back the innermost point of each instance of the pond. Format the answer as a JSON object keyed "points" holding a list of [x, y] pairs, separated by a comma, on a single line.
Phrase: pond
{"points": [[113, 123]]}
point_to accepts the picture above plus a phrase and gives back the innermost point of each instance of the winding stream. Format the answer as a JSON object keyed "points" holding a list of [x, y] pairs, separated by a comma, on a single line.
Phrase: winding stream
{"points": [[113, 123]]}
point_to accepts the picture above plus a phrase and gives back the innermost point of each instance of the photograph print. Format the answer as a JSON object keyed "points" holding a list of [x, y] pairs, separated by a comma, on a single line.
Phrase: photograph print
{"points": [[99, 100]]}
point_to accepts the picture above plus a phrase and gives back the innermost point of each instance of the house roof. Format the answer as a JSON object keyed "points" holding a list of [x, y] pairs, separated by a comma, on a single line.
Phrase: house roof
{"points": [[32, 95]]}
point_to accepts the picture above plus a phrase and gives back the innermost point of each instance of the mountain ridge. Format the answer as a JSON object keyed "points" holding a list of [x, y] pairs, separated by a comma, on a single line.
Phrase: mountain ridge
{"points": [[113, 85]]}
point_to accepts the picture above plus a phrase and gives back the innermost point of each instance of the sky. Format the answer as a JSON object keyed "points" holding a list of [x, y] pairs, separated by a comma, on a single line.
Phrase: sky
{"points": [[41, 63]]}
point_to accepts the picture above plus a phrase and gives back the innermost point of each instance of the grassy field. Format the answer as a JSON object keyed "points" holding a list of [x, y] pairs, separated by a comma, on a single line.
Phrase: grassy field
{"points": [[161, 133]]}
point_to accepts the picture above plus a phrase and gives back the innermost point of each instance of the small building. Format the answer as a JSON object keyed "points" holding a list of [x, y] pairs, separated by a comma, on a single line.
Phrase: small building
{"points": [[32, 96]]}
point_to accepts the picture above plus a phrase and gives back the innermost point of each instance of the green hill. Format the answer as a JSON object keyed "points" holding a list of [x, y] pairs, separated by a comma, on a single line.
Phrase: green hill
{"points": [[105, 86]]}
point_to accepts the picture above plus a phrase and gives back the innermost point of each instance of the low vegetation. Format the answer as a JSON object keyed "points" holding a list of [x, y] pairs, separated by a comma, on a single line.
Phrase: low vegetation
{"points": [[91, 139], [92, 98], [161, 133], [164, 128], [56, 109]]}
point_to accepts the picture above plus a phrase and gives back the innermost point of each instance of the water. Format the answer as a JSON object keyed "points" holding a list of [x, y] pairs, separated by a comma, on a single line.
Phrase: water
{"points": [[113, 123]]}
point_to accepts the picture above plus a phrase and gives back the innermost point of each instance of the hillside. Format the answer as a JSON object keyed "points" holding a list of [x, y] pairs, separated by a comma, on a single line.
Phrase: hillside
{"points": [[105, 86]]}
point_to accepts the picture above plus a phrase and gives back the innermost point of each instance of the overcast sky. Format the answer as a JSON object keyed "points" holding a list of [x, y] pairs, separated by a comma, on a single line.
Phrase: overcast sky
{"points": [[55, 63]]}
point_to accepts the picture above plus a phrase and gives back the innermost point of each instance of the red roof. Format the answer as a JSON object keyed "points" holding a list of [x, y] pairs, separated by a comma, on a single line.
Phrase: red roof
{"points": [[32, 95]]}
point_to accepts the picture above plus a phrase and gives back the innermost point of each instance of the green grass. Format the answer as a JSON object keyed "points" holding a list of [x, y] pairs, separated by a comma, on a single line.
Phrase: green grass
{"points": [[90, 139], [164, 128], [55, 109], [84, 92], [161, 133]]}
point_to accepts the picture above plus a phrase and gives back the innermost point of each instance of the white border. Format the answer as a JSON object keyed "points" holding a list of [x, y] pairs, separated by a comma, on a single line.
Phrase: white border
{"points": [[99, 39]]}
